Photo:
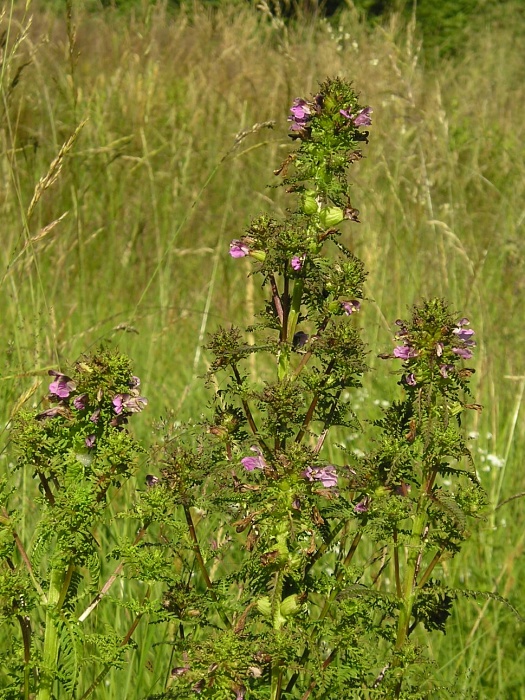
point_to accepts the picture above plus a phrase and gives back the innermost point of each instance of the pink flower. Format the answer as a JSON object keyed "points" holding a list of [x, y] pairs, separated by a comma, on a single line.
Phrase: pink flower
{"points": [[362, 118], [404, 352], [297, 262], [62, 386], [238, 249], [351, 306], [301, 114], [326, 475], [251, 463], [131, 404]]}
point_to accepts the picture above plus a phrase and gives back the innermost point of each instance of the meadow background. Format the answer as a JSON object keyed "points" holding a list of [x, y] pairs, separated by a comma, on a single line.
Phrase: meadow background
{"points": [[124, 180]]}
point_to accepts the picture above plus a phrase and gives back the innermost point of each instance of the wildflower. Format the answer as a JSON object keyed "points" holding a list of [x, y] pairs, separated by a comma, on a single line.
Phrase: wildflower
{"points": [[301, 114], [410, 379], [464, 353], [152, 480], [62, 386], [439, 349], [95, 416], [464, 335], [326, 475], [90, 440], [297, 262], [79, 402], [132, 404], [444, 370], [362, 506], [238, 249], [362, 118], [404, 352], [251, 463], [51, 413], [351, 306]]}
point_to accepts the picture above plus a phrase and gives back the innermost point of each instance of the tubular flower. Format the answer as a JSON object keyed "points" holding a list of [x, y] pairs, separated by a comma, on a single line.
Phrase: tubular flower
{"points": [[464, 336], [362, 118], [63, 385], [131, 404], [326, 475], [301, 114], [297, 262], [351, 306], [404, 352], [238, 249], [251, 463]]}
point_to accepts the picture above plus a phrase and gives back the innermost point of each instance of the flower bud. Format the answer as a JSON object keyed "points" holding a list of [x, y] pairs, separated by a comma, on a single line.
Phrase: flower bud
{"points": [[310, 205], [331, 216], [289, 606], [259, 255]]}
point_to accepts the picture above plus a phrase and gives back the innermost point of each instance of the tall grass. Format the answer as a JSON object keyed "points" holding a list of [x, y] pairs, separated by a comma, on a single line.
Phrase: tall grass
{"points": [[124, 179]]}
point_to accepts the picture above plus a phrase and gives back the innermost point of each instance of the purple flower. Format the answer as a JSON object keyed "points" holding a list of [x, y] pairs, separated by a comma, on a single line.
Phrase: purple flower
{"points": [[95, 416], [351, 306], [62, 386], [251, 463], [297, 262], [362, 506], [152, 480], [464, 334], [51, 413], [404, 352], [134, 382], [464, 353], [301, 114], [362, 118], [410, 379], [131, 404], [445, 369], [90, 440], [238, 249], [79, 402], [326, 475]]}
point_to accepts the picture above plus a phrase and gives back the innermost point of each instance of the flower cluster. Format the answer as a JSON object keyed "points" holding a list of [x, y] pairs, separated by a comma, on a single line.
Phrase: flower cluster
{"points": [[327, 475], [362, 118], [425, 352], [301, 114]]}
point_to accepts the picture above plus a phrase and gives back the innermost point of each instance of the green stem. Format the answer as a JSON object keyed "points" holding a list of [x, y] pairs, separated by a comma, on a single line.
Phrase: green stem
{"points": [[277, 669], [108, 666], [201, 563], [295, 309], [288, 331], [327, 605], [51, 640], [409, 585]]}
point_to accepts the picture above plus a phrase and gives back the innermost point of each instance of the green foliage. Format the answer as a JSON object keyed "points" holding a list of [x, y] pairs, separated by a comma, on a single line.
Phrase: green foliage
{"points": [[80, 453]]}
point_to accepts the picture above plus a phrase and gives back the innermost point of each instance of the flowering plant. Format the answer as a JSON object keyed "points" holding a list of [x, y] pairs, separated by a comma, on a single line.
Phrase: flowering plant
{"points": [[314, 572], [279, 565]]}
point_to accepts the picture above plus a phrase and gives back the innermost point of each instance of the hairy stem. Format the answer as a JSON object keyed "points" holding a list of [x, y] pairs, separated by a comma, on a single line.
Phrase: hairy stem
{"points": [[409, 585], [200, 561], [51, 640]]}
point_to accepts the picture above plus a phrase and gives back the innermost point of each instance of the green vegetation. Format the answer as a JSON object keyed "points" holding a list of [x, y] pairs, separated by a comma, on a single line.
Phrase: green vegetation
{"points": [[130, 160]]}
